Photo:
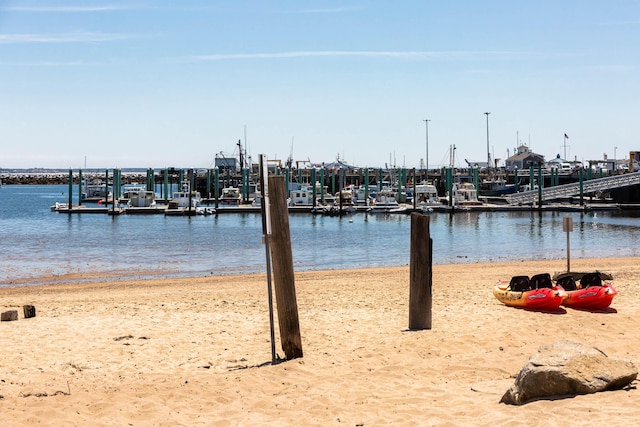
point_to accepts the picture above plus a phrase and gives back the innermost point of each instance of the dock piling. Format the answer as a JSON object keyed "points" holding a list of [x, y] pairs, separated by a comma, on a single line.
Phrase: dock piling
{"points": [[420, 287], [282, 262]]}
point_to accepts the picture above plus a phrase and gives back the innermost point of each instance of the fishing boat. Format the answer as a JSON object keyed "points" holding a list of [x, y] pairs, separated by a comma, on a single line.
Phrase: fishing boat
{"points": [[537, 293], [586, 290], [184, 199], [495, 187]]}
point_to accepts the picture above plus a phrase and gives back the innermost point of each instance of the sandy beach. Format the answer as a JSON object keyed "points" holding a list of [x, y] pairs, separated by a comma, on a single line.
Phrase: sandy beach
{"points": [[197, 351]]}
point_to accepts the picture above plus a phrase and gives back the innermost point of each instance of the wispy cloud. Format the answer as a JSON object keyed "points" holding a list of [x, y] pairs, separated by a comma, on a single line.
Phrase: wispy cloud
{"points": [[321, 10], [66, 9], [78, 63], [369, 54], [81, 37]]}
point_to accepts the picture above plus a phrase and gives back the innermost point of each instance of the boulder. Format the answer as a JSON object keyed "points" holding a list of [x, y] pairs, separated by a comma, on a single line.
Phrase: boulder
{"points": [[568, 368], [9, 315]]}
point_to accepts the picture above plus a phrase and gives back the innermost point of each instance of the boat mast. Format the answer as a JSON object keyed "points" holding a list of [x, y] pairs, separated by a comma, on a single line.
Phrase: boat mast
{"points": [[488, 151]]}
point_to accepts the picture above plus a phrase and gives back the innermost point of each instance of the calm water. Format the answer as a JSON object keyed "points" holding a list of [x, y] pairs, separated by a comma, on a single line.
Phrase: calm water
{"points": [[36, 242]]}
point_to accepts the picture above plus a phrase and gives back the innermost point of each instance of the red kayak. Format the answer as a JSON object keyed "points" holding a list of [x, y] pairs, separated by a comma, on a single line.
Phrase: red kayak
{"points": [[589, 293], [537, 293]]}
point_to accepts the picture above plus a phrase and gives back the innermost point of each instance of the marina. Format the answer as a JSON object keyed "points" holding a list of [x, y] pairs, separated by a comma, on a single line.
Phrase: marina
{"points": [[180, 192], [39, 243]]}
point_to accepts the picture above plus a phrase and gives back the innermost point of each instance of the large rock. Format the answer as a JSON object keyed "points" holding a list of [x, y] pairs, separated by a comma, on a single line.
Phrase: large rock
{"points": [[568, 368]]}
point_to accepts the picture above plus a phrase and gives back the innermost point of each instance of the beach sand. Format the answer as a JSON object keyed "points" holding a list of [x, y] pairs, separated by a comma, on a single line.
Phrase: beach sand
{"points": [[197, 351]]}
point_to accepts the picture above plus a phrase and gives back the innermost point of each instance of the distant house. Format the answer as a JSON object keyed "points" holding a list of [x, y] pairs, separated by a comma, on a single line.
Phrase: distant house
{"points": [[523, 159]]}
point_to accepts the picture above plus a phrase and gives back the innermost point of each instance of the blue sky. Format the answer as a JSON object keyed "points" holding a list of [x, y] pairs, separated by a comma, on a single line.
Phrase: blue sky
{"points": [[173, 83]]}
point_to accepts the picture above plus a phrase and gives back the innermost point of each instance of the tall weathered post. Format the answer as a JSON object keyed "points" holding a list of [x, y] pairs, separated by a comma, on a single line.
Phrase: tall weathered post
{"points": [[366, 187], [216, 185], [166, 194], [540, 183], [581, 179], [80, 187], [420, 291], [313, 183], [70, 189], [413, 179], [282, 261], [322, 185], [106, 187]]}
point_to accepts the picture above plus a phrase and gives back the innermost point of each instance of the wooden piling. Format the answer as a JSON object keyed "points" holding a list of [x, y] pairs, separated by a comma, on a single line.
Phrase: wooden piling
{"points": [[420, 291], [282, 261]]}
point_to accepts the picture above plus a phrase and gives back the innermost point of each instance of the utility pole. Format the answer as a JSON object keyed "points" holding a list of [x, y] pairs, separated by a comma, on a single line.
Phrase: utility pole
{"points": [[488, 151], [426, 160]]}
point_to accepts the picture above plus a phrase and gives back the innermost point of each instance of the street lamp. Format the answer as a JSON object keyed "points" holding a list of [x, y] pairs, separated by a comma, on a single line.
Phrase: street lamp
{"points": [[488, 152], [426, 160]]}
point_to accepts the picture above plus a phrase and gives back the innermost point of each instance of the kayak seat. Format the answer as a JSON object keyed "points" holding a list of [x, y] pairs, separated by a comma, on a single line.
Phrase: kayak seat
{"points": [[540, 281], [591, 279], [519, 284], [568, 283]]}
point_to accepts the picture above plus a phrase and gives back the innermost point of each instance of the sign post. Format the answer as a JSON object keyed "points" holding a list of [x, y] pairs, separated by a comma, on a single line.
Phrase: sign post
{"points": [[266, 232], [567, 227]]}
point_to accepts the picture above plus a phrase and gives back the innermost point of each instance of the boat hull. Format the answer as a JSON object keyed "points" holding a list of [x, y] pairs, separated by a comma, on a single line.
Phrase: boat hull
{"points": [[591, 298], [543, 299]]}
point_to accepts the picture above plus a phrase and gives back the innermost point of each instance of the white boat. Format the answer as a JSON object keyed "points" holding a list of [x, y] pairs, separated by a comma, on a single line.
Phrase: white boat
{"points": [[426, 196], [142, 199], [181, 199], [361, 196], [386, 203], [230, 196], [95, 192], [303, 196], [465, 194]]}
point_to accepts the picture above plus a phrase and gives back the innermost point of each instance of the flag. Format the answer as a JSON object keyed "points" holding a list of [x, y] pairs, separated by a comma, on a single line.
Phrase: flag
{"points": [[566, 136]]}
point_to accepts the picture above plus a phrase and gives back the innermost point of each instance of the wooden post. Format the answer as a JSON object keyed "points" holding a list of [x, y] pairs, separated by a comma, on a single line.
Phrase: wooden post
{"points": [[282, 261], [420, 293]]}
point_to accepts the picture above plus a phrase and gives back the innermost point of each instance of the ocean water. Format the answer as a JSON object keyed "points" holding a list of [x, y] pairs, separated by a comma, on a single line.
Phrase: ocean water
{"points": [[37, 243]]}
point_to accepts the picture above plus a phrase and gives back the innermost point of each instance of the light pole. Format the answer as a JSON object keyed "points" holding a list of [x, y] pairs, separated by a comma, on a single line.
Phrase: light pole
{"points": [[426, 159], [488, 151]]}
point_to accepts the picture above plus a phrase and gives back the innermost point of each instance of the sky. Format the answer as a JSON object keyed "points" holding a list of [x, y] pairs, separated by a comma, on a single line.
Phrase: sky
{"points": [[154, 84]]}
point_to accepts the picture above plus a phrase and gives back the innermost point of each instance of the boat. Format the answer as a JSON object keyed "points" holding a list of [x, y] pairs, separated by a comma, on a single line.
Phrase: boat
{"points": [[586, 290], [464, 194], [95, 192], [302, 196], [386, 203], [141, 198], [426, 196], [230, 196], [495, 187], [344, 201], [538, 293], [183, 202], [364, 195], [133, 190]]}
